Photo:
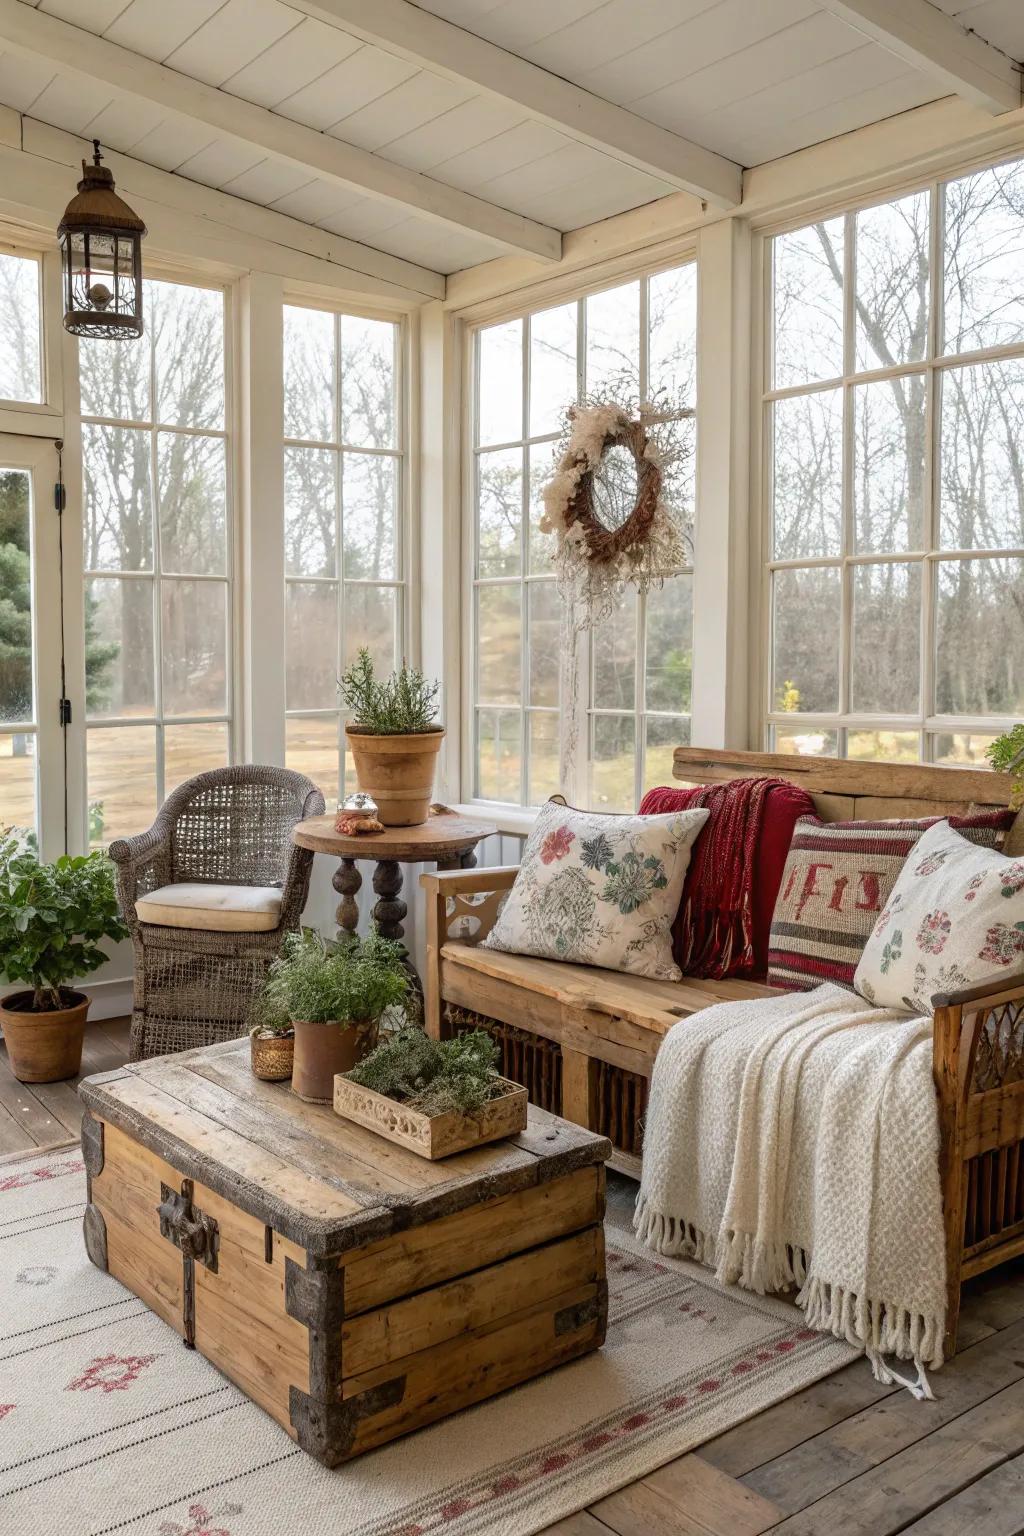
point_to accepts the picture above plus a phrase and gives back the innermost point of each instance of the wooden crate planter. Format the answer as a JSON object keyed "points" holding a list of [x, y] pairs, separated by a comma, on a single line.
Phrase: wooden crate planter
{"points": [[432, 1136], [352, 1289]]}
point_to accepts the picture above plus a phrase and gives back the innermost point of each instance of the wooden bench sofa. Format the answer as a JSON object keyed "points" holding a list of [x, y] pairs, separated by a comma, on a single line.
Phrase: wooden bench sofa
{"points": [[584, 1040]]}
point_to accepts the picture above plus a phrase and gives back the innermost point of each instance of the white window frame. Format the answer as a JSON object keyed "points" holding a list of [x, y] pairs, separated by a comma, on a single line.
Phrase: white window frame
{"points": [[575, 289], [403, 583], [32, 418], [926, 723], [229, 717]]}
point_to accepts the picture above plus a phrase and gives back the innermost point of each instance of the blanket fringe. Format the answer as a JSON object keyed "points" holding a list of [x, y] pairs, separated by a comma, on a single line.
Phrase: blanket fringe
{"points": [[875, 1327]]}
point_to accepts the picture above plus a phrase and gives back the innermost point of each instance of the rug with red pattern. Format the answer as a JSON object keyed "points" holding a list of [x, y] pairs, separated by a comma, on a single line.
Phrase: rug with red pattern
{"points": [[107, 1424]]}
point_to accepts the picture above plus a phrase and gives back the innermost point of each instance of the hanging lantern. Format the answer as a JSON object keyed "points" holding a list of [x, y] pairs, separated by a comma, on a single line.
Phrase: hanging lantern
{"points": [[101, 257]]}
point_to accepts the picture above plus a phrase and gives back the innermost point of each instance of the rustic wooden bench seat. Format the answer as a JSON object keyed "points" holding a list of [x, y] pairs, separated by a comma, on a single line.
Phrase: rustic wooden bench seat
{"points": [[584, 1040]]}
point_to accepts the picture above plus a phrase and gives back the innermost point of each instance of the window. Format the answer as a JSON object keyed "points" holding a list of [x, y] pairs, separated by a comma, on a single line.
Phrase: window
{"points": [[629, 343], [18, 728], [21, 376], [344, 536], [157, 557], [893, 421]]}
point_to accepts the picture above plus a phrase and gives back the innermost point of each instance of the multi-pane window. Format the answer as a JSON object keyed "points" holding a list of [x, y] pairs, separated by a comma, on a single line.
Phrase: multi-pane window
{"points": [[21, 374], [894, 420], [18, 718], [343, 529], [629, 344], [157, 557]]}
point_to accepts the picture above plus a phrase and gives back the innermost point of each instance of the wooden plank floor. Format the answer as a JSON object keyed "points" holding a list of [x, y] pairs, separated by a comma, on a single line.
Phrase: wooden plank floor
{"points": [[44, 1114], [845, 1457]]}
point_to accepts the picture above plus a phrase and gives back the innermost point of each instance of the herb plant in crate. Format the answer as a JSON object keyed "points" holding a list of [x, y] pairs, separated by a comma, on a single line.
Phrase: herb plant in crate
{"points": [[394, 737], [435, 1097], [52, 919], [1006, 754], [332, 993]]}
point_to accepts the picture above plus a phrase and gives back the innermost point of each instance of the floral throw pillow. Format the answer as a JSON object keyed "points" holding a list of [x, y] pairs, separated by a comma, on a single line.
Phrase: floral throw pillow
{"points": [[600, 890], [955, 917]]}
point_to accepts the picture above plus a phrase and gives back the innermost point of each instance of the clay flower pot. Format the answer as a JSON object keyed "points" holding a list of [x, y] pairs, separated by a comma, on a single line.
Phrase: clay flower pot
{"points": [[323, 1050], [272, 1056], [397, 771], [44, 1046]]}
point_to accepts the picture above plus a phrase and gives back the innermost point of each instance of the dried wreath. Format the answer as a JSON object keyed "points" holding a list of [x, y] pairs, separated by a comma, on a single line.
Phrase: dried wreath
{"points": [[594, 560]]}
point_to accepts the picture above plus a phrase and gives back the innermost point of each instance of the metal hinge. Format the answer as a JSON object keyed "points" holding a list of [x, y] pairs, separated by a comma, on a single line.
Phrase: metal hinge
{"points": [[64, 711], [197, 1236]]}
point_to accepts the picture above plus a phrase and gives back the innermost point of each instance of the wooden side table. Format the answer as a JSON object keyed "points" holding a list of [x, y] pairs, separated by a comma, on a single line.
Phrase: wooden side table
{"points": [[445, 839]]}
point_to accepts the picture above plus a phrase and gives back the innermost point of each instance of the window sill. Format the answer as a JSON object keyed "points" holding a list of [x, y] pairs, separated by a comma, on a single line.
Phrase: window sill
{"points": [[513, 820]]}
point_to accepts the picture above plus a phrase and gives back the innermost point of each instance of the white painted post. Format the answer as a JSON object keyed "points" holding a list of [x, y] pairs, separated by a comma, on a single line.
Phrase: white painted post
{"points": [[260, 556], [724, 515]]}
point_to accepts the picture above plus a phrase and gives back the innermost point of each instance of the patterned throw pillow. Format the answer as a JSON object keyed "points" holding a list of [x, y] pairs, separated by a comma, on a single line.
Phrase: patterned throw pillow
{"points": [[837, 879], [955, 917], [600, 890]]}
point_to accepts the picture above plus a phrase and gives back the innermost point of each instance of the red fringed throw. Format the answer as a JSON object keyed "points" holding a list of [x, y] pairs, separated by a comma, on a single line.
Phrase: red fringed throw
{"points": [[716, 934]]}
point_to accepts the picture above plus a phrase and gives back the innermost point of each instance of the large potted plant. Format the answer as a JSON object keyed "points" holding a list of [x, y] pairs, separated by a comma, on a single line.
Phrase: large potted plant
{"points": [[333, 993], [52, 919], [1006, 754], [395, 738]]}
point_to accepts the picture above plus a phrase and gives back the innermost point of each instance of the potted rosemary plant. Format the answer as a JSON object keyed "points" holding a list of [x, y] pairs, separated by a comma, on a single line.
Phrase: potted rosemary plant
{"points": [[332, 993], [395, 738], [52, 919]]}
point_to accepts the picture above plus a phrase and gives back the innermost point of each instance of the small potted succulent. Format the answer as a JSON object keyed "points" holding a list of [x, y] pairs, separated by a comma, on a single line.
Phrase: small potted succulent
{"points": [[332, 993], [395, 738], [1006, 754], [52, 919], [435, 1097]]}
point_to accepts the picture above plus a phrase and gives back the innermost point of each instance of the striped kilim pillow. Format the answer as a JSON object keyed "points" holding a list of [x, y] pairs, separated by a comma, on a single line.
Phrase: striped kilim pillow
{"points": [[837, 879]]}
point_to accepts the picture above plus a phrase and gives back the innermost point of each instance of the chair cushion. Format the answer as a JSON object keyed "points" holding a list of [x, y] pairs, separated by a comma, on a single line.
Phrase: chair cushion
{"points": [[838, 877], [217, 908], [955, 918]]}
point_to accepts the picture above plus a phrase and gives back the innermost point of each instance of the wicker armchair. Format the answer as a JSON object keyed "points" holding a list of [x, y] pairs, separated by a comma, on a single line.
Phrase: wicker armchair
{"points": [[230, 828]]}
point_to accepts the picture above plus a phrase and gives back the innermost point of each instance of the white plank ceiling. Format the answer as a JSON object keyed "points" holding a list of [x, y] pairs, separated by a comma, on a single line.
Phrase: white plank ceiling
{"points": [[749, 81]]}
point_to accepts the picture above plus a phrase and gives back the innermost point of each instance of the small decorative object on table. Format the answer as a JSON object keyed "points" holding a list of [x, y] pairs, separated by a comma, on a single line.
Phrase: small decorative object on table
{"points": [[332, 993], [273, 1051], [394, 738], [52, 917], [357, 815], [1006, 754], [435, 1097]]}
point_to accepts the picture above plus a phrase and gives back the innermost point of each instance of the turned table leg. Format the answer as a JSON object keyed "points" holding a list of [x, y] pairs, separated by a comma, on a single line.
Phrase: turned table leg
{"points": [[390, 909], [347, 881]]}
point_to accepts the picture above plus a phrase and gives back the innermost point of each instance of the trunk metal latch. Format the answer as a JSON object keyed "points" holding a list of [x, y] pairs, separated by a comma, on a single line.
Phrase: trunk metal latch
{"points": [[195, 1234]]}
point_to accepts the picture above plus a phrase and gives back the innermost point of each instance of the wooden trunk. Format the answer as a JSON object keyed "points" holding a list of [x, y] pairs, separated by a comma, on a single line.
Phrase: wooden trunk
{"points": [[350, 1288]]}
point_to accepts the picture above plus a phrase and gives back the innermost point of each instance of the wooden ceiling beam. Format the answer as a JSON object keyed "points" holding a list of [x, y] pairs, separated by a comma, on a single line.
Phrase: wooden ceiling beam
{"points": [[81, 54], [936, 44], [438, 45]]}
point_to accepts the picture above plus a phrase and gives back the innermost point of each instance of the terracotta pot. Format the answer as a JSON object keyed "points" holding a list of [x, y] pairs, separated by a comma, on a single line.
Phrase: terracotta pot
{"points": [[398, 771], [322, 1050], [272, 1057], [44, 1047]]}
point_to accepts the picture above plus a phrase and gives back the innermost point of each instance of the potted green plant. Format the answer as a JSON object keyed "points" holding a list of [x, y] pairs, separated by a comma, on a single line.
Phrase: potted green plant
{"points": [[435, 1097], [332, 993], [1006, 754], [395, 738], [52, 919]]}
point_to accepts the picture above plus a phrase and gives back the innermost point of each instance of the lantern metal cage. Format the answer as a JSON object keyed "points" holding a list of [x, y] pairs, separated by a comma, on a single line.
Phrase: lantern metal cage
{"points": [[101, 258]]}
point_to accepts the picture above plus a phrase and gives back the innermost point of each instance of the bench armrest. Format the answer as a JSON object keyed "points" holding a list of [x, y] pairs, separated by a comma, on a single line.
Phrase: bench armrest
{"points": [[469, 898]]}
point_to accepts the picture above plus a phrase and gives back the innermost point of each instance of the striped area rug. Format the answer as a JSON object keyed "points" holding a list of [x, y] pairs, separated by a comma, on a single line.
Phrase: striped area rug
{"points": [[107, 1424]]}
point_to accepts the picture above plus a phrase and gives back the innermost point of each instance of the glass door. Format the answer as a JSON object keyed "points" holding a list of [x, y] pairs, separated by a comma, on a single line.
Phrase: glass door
{"points": [[31, 750]]}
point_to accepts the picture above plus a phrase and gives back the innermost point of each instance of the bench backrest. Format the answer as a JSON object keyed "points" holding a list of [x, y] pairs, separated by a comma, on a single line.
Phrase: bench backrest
{"points": [[850, 791]]}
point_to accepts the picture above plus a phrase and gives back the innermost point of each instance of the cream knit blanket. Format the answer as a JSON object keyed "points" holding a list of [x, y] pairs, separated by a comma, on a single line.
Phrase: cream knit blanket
{"points": [[794, 1141]]}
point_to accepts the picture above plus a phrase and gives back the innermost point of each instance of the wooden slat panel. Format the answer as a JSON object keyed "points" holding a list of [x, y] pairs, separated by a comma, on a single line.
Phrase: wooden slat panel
{"points": [[127, 1193], [944, 786], [470, 1239], [994, 1119], [442, 1380], [419, 1322]]}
